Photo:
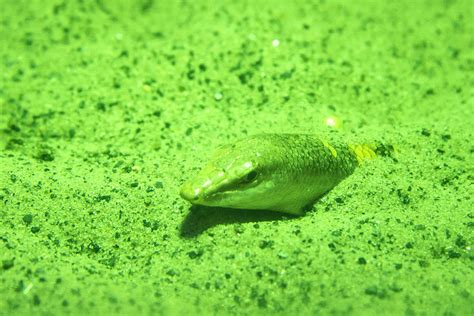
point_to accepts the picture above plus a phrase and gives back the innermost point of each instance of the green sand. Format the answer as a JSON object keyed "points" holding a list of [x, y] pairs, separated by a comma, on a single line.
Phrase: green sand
{"points": [[107, 107]]}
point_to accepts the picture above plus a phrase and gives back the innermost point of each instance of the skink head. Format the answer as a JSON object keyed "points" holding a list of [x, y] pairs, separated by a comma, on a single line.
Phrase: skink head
{"points": [[234, 177]]}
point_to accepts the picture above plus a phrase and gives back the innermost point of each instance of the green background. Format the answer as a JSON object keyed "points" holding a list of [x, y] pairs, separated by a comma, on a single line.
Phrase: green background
{"points": [[107, 107]]}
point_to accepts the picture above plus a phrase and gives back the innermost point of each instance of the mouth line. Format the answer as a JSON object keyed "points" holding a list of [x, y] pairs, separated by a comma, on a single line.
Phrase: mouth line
{"points": [[222, 194], [215, 195]]}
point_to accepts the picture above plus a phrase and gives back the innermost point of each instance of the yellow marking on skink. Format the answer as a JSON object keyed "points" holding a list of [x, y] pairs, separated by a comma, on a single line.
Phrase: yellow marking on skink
{"points": [[363, 152], [331, 149]]}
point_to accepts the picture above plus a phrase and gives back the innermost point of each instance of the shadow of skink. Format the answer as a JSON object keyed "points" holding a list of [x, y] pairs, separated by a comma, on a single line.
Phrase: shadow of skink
{"points": [[201, 218]]}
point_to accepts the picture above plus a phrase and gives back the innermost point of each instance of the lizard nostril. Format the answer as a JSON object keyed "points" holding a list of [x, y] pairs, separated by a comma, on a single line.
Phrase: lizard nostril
{"points": [[189, 193]]}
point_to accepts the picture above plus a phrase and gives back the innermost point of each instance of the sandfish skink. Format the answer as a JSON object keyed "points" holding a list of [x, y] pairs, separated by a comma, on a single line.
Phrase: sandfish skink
{"points": [[279, 172]]}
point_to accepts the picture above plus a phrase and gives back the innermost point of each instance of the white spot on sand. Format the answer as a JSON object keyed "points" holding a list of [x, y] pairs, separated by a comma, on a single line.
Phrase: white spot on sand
{"points": [[218, 96]]}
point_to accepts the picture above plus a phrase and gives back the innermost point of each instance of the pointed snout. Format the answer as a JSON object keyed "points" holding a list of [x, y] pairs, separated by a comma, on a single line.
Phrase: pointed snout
{"points": [[204, 188], [197, 192], [189, 192]]}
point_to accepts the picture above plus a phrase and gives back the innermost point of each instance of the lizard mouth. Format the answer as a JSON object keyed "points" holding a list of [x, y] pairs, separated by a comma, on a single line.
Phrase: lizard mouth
{"points": [[199, 196], [189, 193], [215, 186]]}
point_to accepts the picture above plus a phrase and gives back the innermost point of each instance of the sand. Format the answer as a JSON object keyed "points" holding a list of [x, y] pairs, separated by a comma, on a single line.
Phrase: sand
{"points": [[107, 107]]}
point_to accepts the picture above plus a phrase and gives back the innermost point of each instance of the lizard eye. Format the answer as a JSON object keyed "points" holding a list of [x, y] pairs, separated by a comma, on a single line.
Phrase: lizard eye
{"points": [[250, 176]]}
